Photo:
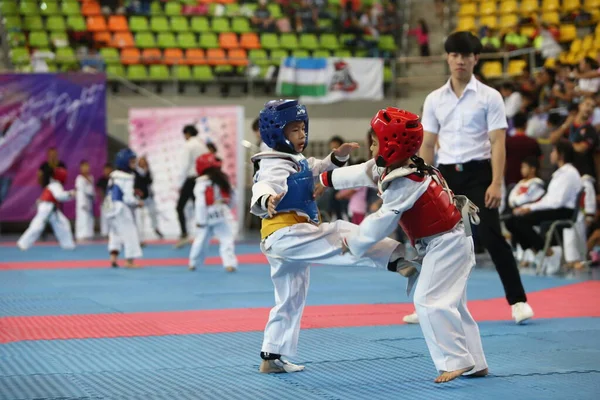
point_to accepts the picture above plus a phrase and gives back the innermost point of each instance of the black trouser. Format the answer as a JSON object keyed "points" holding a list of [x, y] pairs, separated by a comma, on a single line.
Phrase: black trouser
{"points": [[473, 181], [521, 226], [187, 193]]}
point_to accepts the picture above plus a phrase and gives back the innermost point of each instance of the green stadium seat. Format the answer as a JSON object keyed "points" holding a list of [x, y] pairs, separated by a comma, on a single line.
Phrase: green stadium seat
{"points": [[277, 55], [186, 40], [200, 25], [251, 7], [275, 10], [77, 23], [209, 41], [28, 8], [159, 24], [223, 69], [299, 53], [182, 73], [16, 39], [189, 2], [180, 24], [240, 25], [19, 56], [387, 74], [346, 37], [66, 56], [172, 8], [56, 23], [145, 40], [329, 41], [137, 73], [138, 24], [33, 23], [49, 8], [51, 67], [360, 53], [269, 41], [39, 39], [166, 40], [59, 36], [8, 8], [110, 55], [202, 73], [115, 70], [158, 73], [12, 22], [70, 8], [156, 8], [321, 53], [309, 41], [387, 43], [220, 25], [259, 57], [325, 24], [288, 41], [342, 53], [232, 9]]}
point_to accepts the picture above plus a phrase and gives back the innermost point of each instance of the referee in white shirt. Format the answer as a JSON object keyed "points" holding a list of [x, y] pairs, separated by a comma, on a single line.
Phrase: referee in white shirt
{"points": [[192, 149], [467, 120]]}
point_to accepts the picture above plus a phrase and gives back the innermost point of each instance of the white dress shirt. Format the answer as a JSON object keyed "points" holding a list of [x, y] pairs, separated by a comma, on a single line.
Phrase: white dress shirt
{"points": [[463, 124], [513, 104], [563, 189], [192, 149]]}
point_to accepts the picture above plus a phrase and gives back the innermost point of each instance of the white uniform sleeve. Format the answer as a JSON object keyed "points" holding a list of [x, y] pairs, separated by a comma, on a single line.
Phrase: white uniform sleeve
{"points": [[128, 192], [270, 180], [560, 191], [589, 202], [429, 120], [496, 113], [59, 192], [200, 202], [89, 188], [399, 197], [519, 196], [359, 175], [327, 164]]}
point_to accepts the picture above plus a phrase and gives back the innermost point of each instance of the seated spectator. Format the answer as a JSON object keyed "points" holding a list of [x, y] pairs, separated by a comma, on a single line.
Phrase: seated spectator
{"points": [[307, 17], [536, 126], [490, 42], [91, 61], [141, 7], [518, 148], [262, 19], [112, 7], [559, 202], [564, 87], [388, 21], [546, 43], [514, 40], [588, 86], [513, 100]]}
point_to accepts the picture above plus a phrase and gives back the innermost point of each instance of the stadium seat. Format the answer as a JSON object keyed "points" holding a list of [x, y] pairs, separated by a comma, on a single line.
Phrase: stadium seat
{"points": [[152, 56], [137, 73], [179, 24], [387, 43], [220, 25], [515, 67], [19, 56], [8, 8], [172, 9], [200, 25], [76, 23], [187, 40], [66, 56], [158, 73], [232, 9], [550, 5], [575, 46], [321, 53], [588, 43], [269, 41], [59, 37], [341, 53], [508, 7], [182, 73], [130, 56], [195, 57], [28, 8], [96, 24], [145, 40], [159, 24], [487, 8], [329, 41], [70, 8], [300, 53], [551, 18], [250, 41], [467, 10], [174, 57], [209, 40], [56, 23], [216, 57], [259, 57], [12, 23], [240, 25], [492, 69], [288, 41], [570, 5], [115, 70], [49, 8], [490, 21], [123, 40], [278, 55], [309, 41], [34, 23], [118, 23], [237, 57], [568, 33], [550, 63], [90, 8], [528, 31], [228, 41], [202, 73], [528, 7], [166, 40], [591, 4], [387, 74], [110, 55], [466, 24], [138, 24], [39, 40]]}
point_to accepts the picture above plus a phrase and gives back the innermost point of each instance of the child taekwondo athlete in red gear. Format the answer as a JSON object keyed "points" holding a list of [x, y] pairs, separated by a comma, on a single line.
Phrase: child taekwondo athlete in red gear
{"points": [[416, 196]]}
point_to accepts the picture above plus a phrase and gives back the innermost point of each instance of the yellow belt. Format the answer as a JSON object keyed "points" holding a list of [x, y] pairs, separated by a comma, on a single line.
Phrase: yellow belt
{"points": [[281, 220]]}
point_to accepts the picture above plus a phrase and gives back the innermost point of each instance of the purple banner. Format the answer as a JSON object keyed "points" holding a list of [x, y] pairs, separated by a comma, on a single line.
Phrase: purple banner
{"points": [[41, 111]]}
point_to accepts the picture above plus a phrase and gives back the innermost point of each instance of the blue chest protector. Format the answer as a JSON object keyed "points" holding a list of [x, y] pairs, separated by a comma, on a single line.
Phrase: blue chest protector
{"points": [[299, 196], [116, 194]]}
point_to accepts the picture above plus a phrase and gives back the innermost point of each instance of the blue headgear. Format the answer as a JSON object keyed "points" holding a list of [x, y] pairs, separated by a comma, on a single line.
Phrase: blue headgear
{"points": [[122, 159], [273, 119]]}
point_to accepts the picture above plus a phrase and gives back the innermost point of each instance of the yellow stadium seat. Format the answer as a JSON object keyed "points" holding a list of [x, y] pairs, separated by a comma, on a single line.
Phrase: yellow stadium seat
{"points": [[551, 18], [492, 69], [508, 7], [563, 57], [528, 7], [568, 33], [528, 31], [508, 21], [468, 9], [515, 67], [490, 21], [487, 8], [590, 4], [466, 24], [550, 63], [588, 43], [575, 46], [572, 59], [570, 5], [550, 5], [593, 54], [596, 45]]}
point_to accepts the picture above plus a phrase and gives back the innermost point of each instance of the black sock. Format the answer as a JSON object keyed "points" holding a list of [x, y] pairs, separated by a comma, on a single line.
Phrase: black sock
{"points": [[269, 356]]}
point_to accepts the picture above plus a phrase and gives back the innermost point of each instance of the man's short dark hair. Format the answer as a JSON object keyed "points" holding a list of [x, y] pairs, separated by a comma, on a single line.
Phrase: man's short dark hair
{"points": [[337, 139], [190, 130], [508, 86], [555, 119], [463, 43], [565, 149], [83, 162], [520, 120], [255, 125], [211, 147], [532, 161]]}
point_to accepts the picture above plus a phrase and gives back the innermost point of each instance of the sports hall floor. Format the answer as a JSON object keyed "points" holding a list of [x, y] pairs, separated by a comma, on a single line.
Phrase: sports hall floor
{"points": [[73, 328]]}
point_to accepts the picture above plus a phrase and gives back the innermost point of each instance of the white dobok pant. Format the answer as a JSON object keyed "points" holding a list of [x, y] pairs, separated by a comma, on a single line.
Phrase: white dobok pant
{"points": [[122, 232], [451, 333], [84, 221], [290, 251], [223, 231], [48, 213]]}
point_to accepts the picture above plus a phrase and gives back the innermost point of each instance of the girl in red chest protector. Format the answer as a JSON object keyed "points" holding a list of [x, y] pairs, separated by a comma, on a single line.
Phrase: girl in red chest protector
{"points": [[416, 196], [213, 216]]}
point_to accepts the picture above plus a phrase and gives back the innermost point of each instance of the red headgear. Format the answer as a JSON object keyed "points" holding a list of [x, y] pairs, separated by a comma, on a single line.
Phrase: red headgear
{"points": [[400, 135], [206, 161], [60, 174]]}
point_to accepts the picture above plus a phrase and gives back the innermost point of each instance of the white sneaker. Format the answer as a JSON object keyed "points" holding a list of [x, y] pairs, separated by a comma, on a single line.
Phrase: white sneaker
{"points": [[521, 312], [411, 318], [552, 263], [278, 366]]}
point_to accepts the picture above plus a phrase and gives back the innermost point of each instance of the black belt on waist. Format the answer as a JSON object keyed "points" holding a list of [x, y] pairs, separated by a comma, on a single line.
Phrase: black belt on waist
{"points": [[467, 166]]}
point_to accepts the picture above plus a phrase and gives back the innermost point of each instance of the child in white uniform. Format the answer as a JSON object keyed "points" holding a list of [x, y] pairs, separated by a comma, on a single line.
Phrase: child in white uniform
{"points": [[102, 186], [416, 196], [212, 194], [292, 235], [122, 231], [48, 212], [84, 203]]}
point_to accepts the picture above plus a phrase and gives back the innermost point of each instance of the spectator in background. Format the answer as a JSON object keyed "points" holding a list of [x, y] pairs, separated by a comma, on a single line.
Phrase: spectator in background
{"points": [[307, 17], [139, 7], [421, 33], [536, 126], [490, 42], [262, 19], [388, 21], [564, 87], [582, 136], [519, 147], [513, 100], [546, 43], [47, 168], [588, 86], [112, 7], [514, 40], [143, 188]]}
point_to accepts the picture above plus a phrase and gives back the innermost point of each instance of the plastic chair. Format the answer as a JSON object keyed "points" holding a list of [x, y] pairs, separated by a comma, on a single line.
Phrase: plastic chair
{"points": [[110, 55], [166, 40], [259, 57], [174, 57], [490, 21], [69, 8], [115, 70], [209, 41], [33, 23], [341, 53], [250, 41], [28, 8], [96, 24], [182, 73], [90, 8], [487, 8], [66, 56], [172, 9], [187, 40], [238, 57], [467, 10], [159, 24], [179, 24], [220, 25], [568, 33], [195, 57], [508, 21], [9, 8], [55, 23], [551, 18], [123, 40], [466, 24], [329, 41], [515, 67], [76, 23], [19, 56], [269, 41], [145, 40], [216, 57], [321, 53], [228, 41], [137, 73], [118, 23], [550, 5], [240, 25], [508, 7], [152, 56], [130, 56], [200, 25], [387, 43], [492, 69], [138, 24], [202, 73], [49, 8], [277, 55], [309, 41], [288, 41], [39, 40]]}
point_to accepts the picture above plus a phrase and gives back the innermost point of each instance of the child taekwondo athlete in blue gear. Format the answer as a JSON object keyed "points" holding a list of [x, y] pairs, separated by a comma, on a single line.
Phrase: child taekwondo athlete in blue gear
{"points": [[292, 235]]}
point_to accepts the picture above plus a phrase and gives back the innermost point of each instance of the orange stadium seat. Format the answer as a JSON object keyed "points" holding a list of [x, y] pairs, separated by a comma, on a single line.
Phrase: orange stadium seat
{"points": [[216, 57], [103, 39], [195, 57], [123, 40], [90, 8], [118, 23], [130, 56], [238, 57], [174, 57], [152, 56], [250, 41], [228, 41], [96, 24]]}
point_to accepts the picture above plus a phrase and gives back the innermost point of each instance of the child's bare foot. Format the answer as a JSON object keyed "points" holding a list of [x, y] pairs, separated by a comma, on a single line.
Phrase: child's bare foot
{"points": [[131, 264], [479, 374], [230, 269], [191, 268], [451, 375]]}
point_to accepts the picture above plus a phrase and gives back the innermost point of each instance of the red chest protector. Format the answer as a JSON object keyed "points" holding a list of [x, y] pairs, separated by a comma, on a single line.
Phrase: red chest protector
{"points": [[209, 196], [433, 213], [48, 196]]}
